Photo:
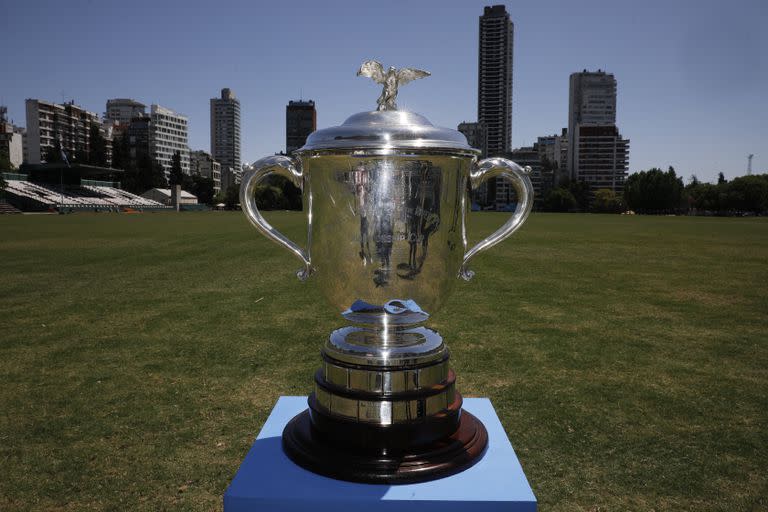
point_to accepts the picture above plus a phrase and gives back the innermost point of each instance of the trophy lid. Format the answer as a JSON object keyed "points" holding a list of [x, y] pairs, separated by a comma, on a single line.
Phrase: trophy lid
{"points": [[387, 129]]}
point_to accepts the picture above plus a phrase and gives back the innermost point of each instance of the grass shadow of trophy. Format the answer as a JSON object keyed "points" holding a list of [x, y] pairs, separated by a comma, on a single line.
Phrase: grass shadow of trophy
{"points": [[386, 197]]}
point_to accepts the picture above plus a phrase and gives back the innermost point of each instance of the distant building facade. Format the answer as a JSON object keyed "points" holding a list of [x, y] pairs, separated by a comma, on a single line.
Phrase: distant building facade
{"points": [[553, 154], [225, 129], [475, 134], [494, 92], [527, 156], [300, 121], [168, 133], [602, 158], [202, 163], [476, 137], [139, 138], [597, 153], [66, 123], [231, 176], [11, 147], [494, 97], [122, 110]]}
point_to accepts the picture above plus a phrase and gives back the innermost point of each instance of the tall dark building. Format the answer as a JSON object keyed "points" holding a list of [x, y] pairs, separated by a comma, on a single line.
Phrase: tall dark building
{"points": [[225, 130], [300, 121], [494, 91], [139, 138]]}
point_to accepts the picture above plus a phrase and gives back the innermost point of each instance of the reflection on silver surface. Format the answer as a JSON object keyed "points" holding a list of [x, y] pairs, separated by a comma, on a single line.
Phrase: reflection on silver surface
{"points": [[386, 199], [385, 347], [387, 411], [384, 381], [387, 225], [390, 79]]}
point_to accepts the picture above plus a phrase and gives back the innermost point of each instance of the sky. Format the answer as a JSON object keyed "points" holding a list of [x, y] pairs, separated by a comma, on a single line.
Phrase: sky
{"points": [[692, 75]]}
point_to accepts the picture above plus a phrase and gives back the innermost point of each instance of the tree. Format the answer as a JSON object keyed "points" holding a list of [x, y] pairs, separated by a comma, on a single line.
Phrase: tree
{"points": [[232, 195], [202, 188], [5, 163], [98, 147], [560, 200], [748, 194], [121, 152], [606, 201], [654, 191], [5, 166], [147, 174], [580, 191], [176, 176], [721, 178], [53, 153], [290, 194]]}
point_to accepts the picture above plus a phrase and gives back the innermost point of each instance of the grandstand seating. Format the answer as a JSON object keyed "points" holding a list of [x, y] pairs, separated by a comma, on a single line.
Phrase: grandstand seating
{"points": [[85, 196], [8, 208]]}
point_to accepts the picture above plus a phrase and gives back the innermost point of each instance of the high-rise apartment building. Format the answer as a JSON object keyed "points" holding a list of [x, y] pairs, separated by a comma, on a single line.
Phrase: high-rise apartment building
{"points": [[597, 153], [203, 164], [168, 134], [475, 134], [225, 130], [602, 157], [68, 124], [122, 110], [300, 121], [494, 93], [139, 138]]}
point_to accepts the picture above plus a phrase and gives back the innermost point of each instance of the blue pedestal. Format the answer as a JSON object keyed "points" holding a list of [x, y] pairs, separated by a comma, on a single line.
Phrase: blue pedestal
{"points": [[268, 481]]}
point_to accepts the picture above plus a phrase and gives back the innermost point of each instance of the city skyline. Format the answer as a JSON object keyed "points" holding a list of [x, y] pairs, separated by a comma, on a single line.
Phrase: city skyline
{"points": [[689, 78]]}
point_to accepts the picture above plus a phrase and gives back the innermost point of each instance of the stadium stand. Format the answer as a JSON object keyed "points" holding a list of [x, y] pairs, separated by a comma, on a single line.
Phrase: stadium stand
{"points": [[39, 190], [8, 208]]}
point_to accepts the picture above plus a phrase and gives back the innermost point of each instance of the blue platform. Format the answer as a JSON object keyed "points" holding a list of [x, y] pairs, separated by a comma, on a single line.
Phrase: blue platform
{"points": [[268, 481]]}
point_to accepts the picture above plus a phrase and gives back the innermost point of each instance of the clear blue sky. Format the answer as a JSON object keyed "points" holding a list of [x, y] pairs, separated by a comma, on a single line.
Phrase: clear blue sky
{"points": [[692, 75]]}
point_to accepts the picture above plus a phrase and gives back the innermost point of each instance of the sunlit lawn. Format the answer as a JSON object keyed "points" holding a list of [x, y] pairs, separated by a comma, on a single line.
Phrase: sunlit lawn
{"points": [[140, 355]]}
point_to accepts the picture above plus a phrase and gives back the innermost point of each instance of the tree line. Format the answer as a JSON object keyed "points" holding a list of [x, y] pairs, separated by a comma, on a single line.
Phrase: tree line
{"points": [[663, 192], [656, 191]]}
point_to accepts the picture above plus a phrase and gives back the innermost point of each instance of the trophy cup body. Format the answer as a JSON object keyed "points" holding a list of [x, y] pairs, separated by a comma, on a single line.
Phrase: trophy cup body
{"points": [[386, 196]]}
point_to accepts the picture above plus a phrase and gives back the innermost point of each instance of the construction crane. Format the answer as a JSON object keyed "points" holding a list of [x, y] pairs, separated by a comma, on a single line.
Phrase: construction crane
{"points": [[749, 165]]}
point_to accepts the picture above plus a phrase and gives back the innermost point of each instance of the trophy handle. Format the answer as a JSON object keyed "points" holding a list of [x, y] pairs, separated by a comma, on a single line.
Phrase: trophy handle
{"points": [[491, 168], [281, 166]]}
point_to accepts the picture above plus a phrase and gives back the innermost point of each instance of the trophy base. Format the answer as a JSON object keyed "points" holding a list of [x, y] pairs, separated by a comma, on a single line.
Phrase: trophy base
{"points": [[447, 456]]}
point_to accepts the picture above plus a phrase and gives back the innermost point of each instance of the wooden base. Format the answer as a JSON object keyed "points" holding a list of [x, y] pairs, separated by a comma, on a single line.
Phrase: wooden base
{"points": [[453, 454]]}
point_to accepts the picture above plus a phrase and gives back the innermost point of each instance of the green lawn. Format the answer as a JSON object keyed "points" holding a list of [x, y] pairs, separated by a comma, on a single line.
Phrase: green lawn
{"points": [[625, 355]]}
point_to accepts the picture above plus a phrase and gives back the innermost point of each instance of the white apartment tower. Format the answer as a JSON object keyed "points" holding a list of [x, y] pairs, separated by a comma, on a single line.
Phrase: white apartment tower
{"points": [[68, 123], [597, 153], [168, 134], [225, 130]]}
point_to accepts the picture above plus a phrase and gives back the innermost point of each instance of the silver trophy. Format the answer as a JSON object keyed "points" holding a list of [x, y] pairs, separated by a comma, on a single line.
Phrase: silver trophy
{"points": [[386, 196]]}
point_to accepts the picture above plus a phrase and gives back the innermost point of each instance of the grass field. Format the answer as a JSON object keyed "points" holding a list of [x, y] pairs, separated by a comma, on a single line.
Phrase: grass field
{"points": [[140, 354]]}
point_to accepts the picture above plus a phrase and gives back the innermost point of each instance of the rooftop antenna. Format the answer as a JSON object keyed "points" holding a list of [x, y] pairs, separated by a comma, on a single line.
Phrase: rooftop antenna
{"points": [[749, 165]]}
